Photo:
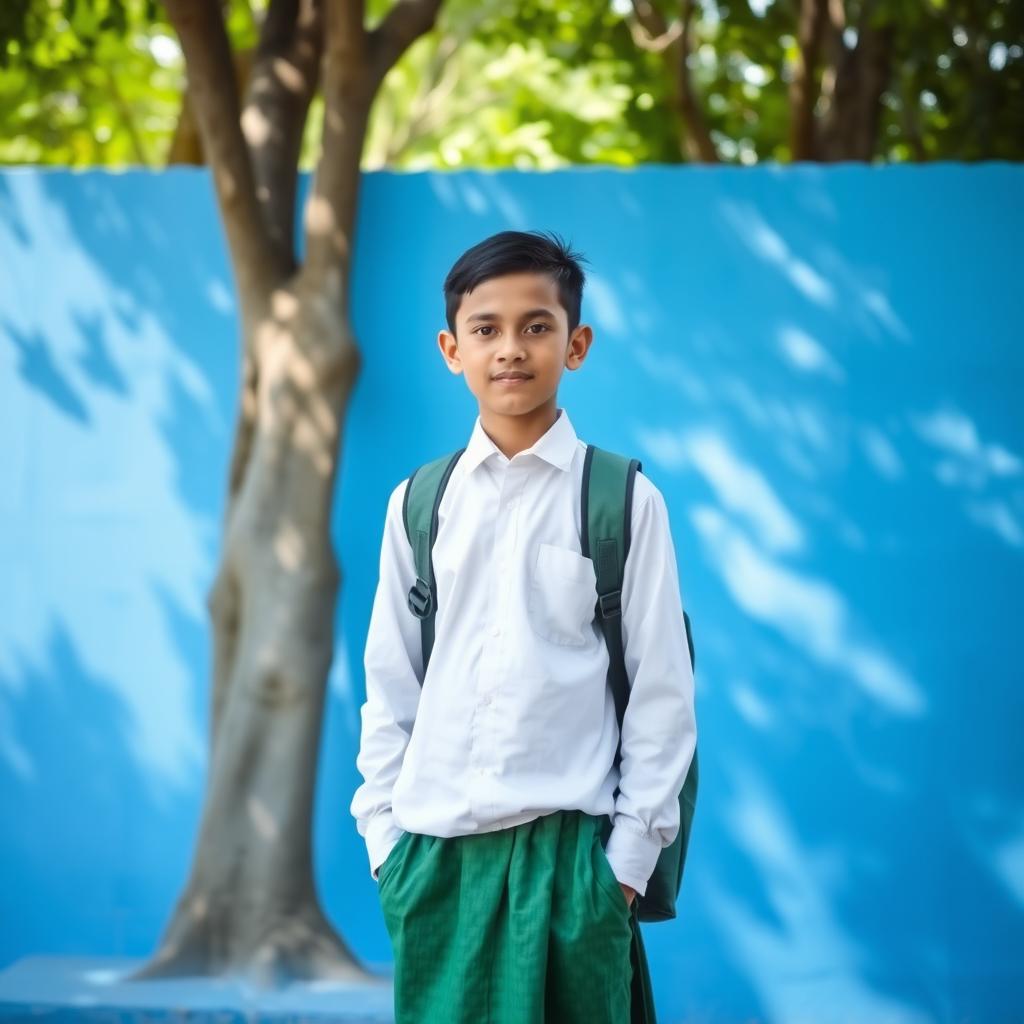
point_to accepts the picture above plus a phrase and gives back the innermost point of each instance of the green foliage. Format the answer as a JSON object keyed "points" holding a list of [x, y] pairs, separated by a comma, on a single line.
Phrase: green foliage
{"points": [[79, 82], [86, 82], [537, 84], [958, 80]]}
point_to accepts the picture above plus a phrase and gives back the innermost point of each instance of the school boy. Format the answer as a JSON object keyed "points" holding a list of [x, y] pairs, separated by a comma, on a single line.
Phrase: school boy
{"points": [[487, 779]]}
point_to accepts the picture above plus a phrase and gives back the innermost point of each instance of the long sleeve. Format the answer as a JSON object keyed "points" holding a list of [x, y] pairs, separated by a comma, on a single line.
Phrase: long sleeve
{"points": [[393, 663], [659, 729]]}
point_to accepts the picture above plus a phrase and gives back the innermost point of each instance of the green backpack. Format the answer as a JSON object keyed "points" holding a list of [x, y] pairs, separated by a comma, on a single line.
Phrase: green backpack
{"points": [[607, 499]]}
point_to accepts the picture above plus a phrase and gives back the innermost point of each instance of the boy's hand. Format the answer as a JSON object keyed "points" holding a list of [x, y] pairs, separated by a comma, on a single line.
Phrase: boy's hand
{"points": [[628, 892]]}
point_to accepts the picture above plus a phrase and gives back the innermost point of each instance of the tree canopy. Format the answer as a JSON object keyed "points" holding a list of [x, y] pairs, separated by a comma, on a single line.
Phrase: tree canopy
{"points": [[545, 83]]}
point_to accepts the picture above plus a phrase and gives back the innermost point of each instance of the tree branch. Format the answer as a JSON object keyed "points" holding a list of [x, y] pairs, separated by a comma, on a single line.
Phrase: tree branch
{"points": [[330, 209], [214, 97], [186, 147], [354, 66], [802, 90], [875, 73], [836, 57], [848, 129], [689, 99], [401, 27], [282, 85], [655, 42], [651, 20], [652, 32]]}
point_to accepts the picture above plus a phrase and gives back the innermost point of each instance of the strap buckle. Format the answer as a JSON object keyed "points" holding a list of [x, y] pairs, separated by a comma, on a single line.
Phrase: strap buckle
{"points": [[610, 604], [421, 601]]}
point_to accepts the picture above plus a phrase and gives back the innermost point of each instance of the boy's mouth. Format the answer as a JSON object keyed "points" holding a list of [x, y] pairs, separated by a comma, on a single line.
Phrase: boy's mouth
{"points": [[512, 377]]}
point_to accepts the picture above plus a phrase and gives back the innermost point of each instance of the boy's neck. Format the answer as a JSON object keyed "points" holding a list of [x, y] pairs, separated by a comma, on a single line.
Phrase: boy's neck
{"points": [[513, 434]]}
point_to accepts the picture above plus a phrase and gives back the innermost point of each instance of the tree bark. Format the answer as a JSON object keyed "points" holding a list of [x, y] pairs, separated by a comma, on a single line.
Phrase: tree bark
{"points": [[652, 32], [848, 129], [186, 147], [700, 147], [803, 91], [249, 905]]}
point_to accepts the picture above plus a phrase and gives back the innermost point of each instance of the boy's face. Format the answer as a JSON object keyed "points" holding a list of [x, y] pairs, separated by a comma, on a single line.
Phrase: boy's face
{"points": [[514, 324]]}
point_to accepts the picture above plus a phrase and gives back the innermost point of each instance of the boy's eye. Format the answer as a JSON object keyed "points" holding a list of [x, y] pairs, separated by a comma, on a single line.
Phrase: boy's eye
{"points": [[488, 327]]}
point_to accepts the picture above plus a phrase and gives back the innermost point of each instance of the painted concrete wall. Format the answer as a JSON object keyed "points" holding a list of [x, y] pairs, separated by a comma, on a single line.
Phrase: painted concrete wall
{"points": [[822, 370]]}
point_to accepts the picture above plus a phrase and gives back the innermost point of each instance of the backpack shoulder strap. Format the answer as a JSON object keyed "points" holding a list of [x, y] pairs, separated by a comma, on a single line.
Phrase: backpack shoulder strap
{"points": [[419, 515], [607, 508], [605, 514]]}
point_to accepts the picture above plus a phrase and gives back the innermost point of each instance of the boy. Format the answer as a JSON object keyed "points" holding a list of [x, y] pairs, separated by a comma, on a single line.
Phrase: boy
{"points": [[486, 786]]}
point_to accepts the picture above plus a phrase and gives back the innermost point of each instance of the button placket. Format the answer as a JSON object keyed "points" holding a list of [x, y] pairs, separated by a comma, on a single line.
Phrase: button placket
{"points": [[505, 544], [505, 541], [488, 662]]}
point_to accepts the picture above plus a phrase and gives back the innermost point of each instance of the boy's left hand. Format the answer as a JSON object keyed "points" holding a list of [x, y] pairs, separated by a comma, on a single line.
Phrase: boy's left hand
{"points": [[628, 892]]}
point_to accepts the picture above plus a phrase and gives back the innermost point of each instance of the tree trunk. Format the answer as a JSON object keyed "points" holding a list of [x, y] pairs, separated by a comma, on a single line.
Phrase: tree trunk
{"points": [[651, 31], [186, 147], [250, 905], [803, 90], [849, 128]]}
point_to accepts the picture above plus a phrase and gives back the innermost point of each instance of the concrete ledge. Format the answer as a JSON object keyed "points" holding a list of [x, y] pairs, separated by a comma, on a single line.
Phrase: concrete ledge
{"points": [[58, 989]]}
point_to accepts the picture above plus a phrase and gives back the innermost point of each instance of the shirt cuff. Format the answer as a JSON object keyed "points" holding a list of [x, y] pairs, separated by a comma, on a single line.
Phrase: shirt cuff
{"points": [[632, 856], [381, 835]]}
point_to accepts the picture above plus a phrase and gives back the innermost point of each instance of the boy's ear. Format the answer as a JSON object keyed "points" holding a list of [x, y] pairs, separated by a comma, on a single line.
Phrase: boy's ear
{"points": [[450, 350], [579, 346]]}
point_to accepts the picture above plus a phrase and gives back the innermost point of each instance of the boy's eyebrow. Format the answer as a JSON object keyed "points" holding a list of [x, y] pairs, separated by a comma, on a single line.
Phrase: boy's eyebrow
{"points": [[540, 311]]}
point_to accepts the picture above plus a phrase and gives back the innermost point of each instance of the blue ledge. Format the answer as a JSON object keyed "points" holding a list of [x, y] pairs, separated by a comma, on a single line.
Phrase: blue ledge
{"points": [[62, 989]]}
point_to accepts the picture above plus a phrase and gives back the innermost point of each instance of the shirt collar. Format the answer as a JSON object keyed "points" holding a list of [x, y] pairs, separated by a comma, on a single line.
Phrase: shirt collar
{"points": [[556, 445]]}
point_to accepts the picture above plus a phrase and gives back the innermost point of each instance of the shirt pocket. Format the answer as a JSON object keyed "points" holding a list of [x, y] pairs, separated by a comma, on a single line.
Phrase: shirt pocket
{"points": [[563, 595]]}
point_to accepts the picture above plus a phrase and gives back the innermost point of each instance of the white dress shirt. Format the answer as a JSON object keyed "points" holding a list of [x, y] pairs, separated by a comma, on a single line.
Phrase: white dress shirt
{"points": [[515, 718]]}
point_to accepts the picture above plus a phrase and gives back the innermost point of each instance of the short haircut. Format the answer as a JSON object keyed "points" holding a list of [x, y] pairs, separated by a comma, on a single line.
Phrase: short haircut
{"points": [[510, 252]]}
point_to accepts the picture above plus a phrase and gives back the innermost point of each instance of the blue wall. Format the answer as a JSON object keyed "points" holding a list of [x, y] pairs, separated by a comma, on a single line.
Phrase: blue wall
{"points": [[822, 369]]}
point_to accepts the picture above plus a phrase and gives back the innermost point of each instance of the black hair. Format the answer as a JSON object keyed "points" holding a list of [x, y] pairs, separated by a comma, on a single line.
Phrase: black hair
{"points": [[508, 252]]}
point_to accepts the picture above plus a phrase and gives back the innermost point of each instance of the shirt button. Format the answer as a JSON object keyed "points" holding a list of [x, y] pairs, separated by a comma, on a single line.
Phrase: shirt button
{"points": [[485, 699], [495, 629]]}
